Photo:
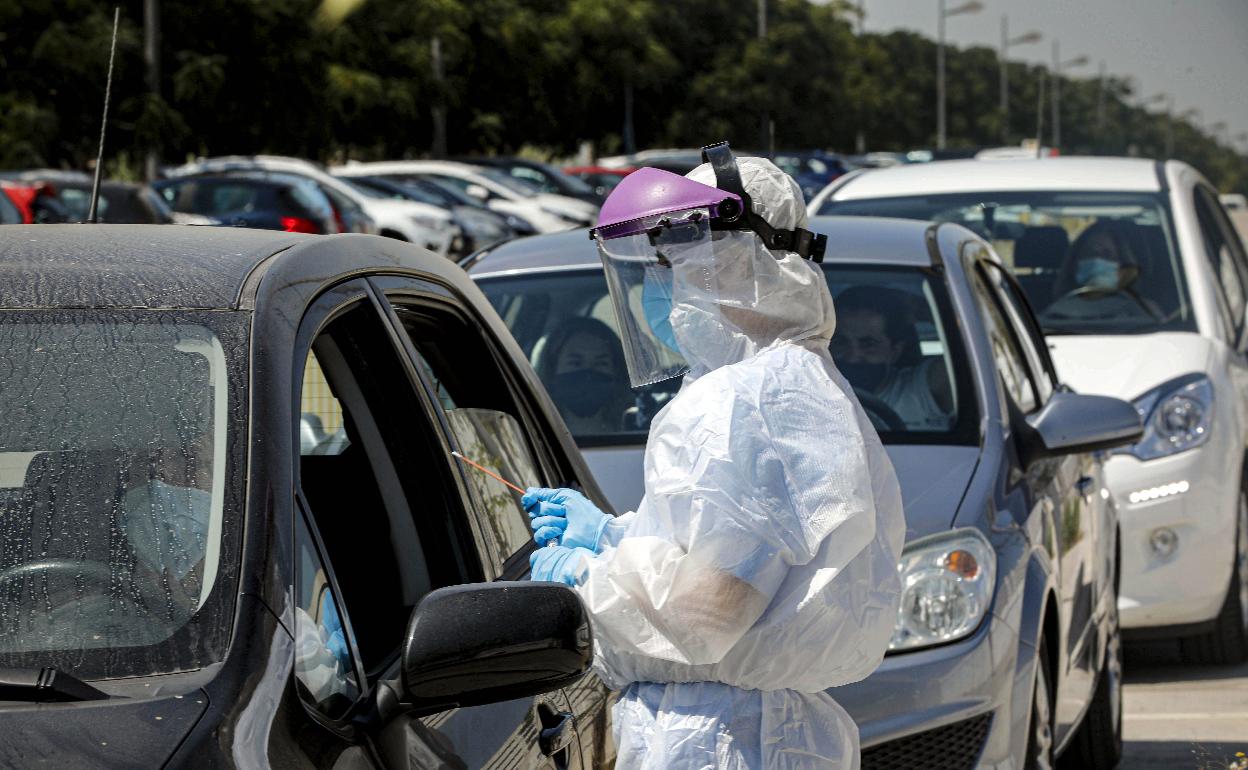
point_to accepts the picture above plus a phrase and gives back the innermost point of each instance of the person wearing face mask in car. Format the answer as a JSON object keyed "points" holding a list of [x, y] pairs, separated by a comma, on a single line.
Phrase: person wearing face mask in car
{"points": [[582, 367], [876, 347]]}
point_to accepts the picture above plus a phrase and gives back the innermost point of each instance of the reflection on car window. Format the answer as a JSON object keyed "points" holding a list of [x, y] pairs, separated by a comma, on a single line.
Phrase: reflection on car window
{"points": [[112, 486], [1011, 365], [906, 370], [484, 421], [1090, 263], [321, 428], [323, 664]]}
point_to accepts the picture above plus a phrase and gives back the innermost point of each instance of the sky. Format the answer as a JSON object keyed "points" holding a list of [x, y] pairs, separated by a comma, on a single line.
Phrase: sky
{"points": [[1194, 50]]}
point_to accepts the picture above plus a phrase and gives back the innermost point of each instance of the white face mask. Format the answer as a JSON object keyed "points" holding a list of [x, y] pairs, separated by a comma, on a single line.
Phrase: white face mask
{"points": [[168, 526]]}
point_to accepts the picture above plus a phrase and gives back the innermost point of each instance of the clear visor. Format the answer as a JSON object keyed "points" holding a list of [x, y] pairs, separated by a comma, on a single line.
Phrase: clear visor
{"points": [[639, 262]]}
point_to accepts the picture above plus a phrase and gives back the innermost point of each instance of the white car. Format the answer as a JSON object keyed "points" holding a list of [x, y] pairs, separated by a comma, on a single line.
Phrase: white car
{"points": [[425, 225], [548, 213], [1140, 282]]}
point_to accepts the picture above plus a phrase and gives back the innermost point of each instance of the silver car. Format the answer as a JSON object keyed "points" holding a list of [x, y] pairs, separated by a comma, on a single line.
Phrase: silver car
{"points": [[1006, 649]]}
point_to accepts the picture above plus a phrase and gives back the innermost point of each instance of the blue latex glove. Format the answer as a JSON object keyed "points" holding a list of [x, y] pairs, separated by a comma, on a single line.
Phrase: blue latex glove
{"points": [[333, 630], [564, 515], [557, 564]]}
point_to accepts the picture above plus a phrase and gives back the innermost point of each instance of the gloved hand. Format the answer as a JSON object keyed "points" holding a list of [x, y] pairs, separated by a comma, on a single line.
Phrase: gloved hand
{"points": [[564, 514], [558, 564]]}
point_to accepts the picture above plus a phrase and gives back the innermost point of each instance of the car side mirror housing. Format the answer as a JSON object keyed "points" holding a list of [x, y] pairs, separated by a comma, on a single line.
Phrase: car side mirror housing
{"points": [[1073, 422], [478, 192], [489, 642]]}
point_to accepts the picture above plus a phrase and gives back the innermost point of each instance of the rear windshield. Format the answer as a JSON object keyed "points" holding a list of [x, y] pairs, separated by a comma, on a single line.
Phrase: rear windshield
{"points": [[1090, 263], [894, 343], [117, 501]]}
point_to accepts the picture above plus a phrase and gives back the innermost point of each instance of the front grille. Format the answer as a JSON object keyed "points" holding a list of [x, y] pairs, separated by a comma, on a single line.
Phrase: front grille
{"points": [[952, 747]]}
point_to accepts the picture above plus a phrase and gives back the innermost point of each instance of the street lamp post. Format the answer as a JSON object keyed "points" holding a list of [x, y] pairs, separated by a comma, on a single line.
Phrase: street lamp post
{"points": [[1056, 99], [1031, 36], [942, 14]]}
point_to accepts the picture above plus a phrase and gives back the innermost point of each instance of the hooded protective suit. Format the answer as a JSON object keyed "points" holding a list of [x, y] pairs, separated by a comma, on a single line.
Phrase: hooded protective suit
{"points": [[760, 568]]}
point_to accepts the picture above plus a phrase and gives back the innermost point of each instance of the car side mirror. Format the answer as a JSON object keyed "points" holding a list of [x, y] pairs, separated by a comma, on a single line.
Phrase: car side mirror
{"points": [[489, 642], [1073, 422], [478, 192]]}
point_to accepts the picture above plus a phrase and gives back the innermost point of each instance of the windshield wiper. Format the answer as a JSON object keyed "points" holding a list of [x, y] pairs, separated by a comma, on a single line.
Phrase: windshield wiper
{"points": [[44, 685]]}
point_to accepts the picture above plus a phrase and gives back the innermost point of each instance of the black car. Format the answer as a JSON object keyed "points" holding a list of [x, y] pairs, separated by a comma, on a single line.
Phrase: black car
{"points": [[260, 199], [121, 203], [542, 176], [232, 531]]}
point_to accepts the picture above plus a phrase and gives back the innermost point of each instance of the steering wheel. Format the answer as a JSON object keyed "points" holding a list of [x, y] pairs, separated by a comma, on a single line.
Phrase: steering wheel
{"points": [[1091, 292], [877, 407]]}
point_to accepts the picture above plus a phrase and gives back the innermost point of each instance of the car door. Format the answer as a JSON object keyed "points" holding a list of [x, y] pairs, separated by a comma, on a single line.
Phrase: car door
{"points": [[489, 416], [383, 517], [1071, 484]]}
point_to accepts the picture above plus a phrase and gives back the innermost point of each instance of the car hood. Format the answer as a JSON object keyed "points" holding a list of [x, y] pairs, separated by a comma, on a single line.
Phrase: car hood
{"points": [[1125, 365], [932, 479], [109, 733]]}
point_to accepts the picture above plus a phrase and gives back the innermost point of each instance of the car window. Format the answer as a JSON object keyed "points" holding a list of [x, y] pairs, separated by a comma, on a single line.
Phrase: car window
{"points": [[915, 380], [484, 419], [1020, 317], [119, 490], [1222, 250], [1006, 353], [324, 665], [1090, 263], [377, 481]]}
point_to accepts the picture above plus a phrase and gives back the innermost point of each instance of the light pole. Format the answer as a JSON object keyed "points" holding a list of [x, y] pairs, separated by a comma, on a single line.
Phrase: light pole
{"points": [[1100, 101], [970, 7], [768, 135], [1031, 36], [1166, 99], [1056, 99]]}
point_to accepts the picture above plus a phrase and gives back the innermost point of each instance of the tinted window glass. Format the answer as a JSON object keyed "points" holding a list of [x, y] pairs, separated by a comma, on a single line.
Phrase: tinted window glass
{"points": [[1218, 242], [116, 490], [1090, 263], [1009, 358], [484, 420], [894, 343]]}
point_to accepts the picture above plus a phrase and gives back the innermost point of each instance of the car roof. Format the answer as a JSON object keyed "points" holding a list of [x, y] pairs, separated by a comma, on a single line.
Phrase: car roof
{"points": [[858, 240], [135, 266], [406, 167], [966, 176]]}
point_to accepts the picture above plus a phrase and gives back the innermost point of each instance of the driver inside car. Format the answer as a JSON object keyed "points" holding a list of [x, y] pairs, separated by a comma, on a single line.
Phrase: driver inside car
{"points": [[583, 368], [1101, 276], [876, 347]]}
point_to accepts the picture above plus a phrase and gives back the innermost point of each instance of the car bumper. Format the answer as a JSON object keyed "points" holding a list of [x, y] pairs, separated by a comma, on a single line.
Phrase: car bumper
{"points": [[1193, 497], [971, 699]]}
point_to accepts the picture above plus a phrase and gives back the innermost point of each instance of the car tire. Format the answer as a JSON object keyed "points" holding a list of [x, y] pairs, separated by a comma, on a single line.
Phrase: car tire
{"points": [[1227, 642], [1040, 734], [1098, 744]]}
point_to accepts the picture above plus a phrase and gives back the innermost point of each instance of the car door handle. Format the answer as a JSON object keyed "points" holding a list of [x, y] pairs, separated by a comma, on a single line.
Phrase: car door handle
{"points": [[558, 736]]}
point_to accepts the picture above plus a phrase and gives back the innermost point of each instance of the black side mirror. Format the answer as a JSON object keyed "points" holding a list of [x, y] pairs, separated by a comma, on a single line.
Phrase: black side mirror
{"points": [[489, 642], [1073, 422]]}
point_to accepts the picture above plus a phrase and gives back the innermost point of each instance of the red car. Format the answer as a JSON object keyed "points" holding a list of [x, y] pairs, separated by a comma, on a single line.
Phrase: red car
{"points": [[35, 201]]}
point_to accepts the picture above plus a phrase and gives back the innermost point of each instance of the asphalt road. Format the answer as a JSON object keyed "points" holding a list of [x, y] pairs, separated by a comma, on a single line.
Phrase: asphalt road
{"points": [[1180, 717]]}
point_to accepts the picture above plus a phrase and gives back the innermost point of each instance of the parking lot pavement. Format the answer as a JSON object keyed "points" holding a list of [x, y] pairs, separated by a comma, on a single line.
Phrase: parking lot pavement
{"points": [[1179, 716]]}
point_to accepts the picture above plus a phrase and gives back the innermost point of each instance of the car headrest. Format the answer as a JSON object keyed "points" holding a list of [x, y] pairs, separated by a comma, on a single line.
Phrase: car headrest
{"points": [[1041, 247]]}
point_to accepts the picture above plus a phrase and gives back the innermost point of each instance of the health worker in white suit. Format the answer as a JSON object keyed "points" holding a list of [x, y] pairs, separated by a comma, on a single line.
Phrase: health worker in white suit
{"points": [[760, 568]]}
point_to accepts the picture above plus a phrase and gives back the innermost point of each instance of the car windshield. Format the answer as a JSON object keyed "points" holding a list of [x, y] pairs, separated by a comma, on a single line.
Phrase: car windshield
{"points": [[117, 506], [503, 179], [891, 343], [1090, 263]]}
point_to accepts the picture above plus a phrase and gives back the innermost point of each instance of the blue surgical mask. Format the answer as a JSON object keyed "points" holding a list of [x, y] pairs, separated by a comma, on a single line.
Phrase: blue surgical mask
{"points": [[1097, 273], [656, 302], [868, 377]]}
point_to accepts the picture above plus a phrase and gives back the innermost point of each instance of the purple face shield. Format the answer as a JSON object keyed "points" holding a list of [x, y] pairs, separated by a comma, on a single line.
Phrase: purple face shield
{"points": [[650, 192]]}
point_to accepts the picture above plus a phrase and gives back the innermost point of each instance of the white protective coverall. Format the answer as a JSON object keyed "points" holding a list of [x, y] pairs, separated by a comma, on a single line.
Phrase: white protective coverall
{"points": [[760, 568]]}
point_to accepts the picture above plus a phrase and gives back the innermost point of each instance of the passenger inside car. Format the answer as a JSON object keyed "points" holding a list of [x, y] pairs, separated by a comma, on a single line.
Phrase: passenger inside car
{"points": [[583, 368], [1105, 264], [876, 347]]}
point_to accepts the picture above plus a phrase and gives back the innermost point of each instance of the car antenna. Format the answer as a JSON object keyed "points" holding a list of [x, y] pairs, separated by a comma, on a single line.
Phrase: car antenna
{"points": [[93, 209]]}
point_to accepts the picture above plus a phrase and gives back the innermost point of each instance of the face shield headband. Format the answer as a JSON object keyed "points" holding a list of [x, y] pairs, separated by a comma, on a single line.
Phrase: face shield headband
{"points": [[739, 214]]}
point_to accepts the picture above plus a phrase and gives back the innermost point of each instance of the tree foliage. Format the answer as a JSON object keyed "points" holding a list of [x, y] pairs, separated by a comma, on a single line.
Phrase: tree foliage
{"points": [[250, 76]]}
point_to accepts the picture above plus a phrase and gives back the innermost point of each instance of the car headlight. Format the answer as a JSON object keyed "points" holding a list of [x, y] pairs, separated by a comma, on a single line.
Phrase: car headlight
{"points": [[946, 588], [1177, 416]]}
